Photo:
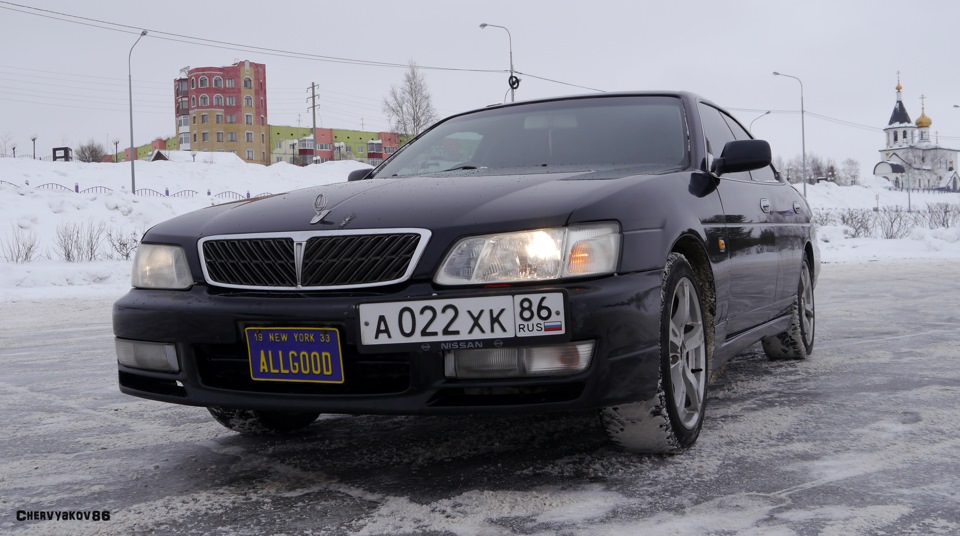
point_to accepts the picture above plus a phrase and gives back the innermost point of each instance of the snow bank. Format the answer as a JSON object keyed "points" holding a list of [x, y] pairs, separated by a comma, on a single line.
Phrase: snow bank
{"points": [[37, 198]]}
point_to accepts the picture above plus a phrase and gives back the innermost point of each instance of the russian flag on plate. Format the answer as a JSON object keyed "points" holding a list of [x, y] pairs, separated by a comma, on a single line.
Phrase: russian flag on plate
{"points": [[553, 326]]}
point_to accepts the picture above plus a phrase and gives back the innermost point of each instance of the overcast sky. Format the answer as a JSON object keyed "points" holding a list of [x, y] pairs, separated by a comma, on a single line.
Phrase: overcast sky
{"points": [[64, 78]]}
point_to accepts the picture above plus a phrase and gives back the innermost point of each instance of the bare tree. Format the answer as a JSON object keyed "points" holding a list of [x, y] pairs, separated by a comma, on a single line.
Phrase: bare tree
{"points": [[894, 223], [77, 243], [793, 169], [124, 244], [831, 172], [20, 246], [849, 172], [816, 167], [68, 241], [942, 215], [91, 152], [861, 223], [409, 106], [6, 142]]}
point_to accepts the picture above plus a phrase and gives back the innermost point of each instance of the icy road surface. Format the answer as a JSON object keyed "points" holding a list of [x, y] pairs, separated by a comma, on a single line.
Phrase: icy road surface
{"points": [[860, 439]]}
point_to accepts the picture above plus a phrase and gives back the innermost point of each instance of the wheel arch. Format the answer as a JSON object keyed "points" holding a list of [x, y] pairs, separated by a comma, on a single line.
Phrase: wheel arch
{"points": [[811, 257], [692, 247]]}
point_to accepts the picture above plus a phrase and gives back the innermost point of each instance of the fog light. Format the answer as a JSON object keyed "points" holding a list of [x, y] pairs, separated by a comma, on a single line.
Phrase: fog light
{"points": [[554, 360], [148, 355], [557, 360]]}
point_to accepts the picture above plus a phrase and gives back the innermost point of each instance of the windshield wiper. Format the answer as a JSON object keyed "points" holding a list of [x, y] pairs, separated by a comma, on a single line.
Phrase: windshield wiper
{"points": [[463, 167]]}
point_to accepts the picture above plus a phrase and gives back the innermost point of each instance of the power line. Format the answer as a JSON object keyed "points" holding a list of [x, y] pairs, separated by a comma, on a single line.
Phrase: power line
{"points": [[559, 82], [77, 75], [58, 96], [75, 107], [226, 45], [759, 110], [827, 118], [80, 85], [181, 38], [240, 47]]}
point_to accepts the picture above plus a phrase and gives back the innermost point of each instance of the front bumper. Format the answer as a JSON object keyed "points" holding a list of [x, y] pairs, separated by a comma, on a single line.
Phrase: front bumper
{"points": [[621, 313]]}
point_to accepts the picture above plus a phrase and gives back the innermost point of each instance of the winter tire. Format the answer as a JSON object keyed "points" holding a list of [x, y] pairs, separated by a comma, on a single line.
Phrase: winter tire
{"points": [[248, 421], [670, 422], [797, 341]]}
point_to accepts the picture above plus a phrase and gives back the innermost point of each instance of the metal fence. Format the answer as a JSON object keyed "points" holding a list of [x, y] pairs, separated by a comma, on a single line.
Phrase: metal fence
{"points": [[146, 192]]}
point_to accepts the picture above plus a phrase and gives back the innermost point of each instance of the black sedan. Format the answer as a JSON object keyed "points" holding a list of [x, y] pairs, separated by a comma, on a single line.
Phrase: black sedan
{"points": [[600, 252]]}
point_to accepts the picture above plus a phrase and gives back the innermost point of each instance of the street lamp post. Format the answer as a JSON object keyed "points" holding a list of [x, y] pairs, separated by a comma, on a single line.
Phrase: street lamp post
{"points": [[116, 149], [803, 130], [34, 140], [513, 81], [755, 120], [133, 154]]}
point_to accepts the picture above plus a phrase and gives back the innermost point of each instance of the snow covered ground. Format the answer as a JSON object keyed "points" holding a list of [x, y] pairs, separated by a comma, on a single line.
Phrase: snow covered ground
{"points": [[858, 440], [29, 208], [839, 444]]}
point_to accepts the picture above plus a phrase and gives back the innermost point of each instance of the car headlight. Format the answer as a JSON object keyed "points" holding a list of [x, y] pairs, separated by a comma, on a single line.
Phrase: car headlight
{"points": [[537, 255], [158, 266]]}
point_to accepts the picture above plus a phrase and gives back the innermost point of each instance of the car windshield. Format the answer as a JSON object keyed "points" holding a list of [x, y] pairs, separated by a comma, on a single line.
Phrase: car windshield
{"points": [[583, 133]]}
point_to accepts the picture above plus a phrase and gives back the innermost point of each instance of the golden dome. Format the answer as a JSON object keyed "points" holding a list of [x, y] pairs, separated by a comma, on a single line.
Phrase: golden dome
{"points": [[923, 121]]}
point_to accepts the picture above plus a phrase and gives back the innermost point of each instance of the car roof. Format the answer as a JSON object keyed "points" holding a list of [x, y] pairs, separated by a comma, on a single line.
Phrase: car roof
{"points": [[683, 95]]}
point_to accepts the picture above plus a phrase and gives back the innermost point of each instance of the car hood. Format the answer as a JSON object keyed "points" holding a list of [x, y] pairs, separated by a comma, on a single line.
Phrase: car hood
{"points": [[470, 202]]}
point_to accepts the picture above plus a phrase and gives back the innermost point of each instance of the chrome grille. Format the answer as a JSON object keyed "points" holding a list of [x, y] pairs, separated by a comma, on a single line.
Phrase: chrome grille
{"points": [[357, 260], [261, 262], [312, 260]]}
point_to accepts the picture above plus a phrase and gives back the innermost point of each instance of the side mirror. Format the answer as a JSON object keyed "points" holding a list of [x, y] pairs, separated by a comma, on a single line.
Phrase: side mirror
{"points": [[358, 174], [742, 155]]}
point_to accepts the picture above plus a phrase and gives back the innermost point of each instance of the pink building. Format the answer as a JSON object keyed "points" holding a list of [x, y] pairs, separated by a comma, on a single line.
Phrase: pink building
{"points": [[224, 109]]}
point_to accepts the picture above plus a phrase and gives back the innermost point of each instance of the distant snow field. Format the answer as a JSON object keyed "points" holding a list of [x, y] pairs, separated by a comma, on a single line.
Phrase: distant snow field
{"points": [[31, 207]]}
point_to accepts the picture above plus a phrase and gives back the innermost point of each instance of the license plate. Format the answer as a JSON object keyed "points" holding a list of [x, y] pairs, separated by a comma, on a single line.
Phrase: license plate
{"points": [[295, 354], [490, 317]]}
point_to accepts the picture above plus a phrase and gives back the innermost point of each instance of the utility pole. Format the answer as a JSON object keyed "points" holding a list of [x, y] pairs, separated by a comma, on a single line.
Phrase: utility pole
{"points": [[313, 111]]}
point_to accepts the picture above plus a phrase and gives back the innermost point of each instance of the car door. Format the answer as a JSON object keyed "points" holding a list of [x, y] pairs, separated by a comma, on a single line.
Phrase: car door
{"points": [[786, 215], [752, 265]]}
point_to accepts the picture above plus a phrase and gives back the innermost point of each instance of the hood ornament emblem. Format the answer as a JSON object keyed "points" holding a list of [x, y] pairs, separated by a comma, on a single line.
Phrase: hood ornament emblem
{"points": [[320, 205]]}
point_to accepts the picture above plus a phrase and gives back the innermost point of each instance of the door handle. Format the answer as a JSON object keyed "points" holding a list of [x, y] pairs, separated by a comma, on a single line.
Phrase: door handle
{"points": [[797, 207], [765, 205]]}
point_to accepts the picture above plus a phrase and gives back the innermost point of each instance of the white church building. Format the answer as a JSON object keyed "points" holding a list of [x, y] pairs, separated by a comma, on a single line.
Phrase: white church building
{"points": [[911, 158]]}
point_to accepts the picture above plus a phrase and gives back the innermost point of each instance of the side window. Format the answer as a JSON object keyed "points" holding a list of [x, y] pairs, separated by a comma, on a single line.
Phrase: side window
{"points": [[718, 133], [764, 174]]}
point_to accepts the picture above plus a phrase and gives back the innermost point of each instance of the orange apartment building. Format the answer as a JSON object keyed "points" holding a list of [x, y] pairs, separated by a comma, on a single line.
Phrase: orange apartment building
{"points": [[224, 109]]}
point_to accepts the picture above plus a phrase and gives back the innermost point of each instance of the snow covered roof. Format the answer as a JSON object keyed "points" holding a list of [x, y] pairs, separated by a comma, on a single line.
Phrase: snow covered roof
{"points": [[947, 179], [887, 167], [899, 117], [201, 157]]}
